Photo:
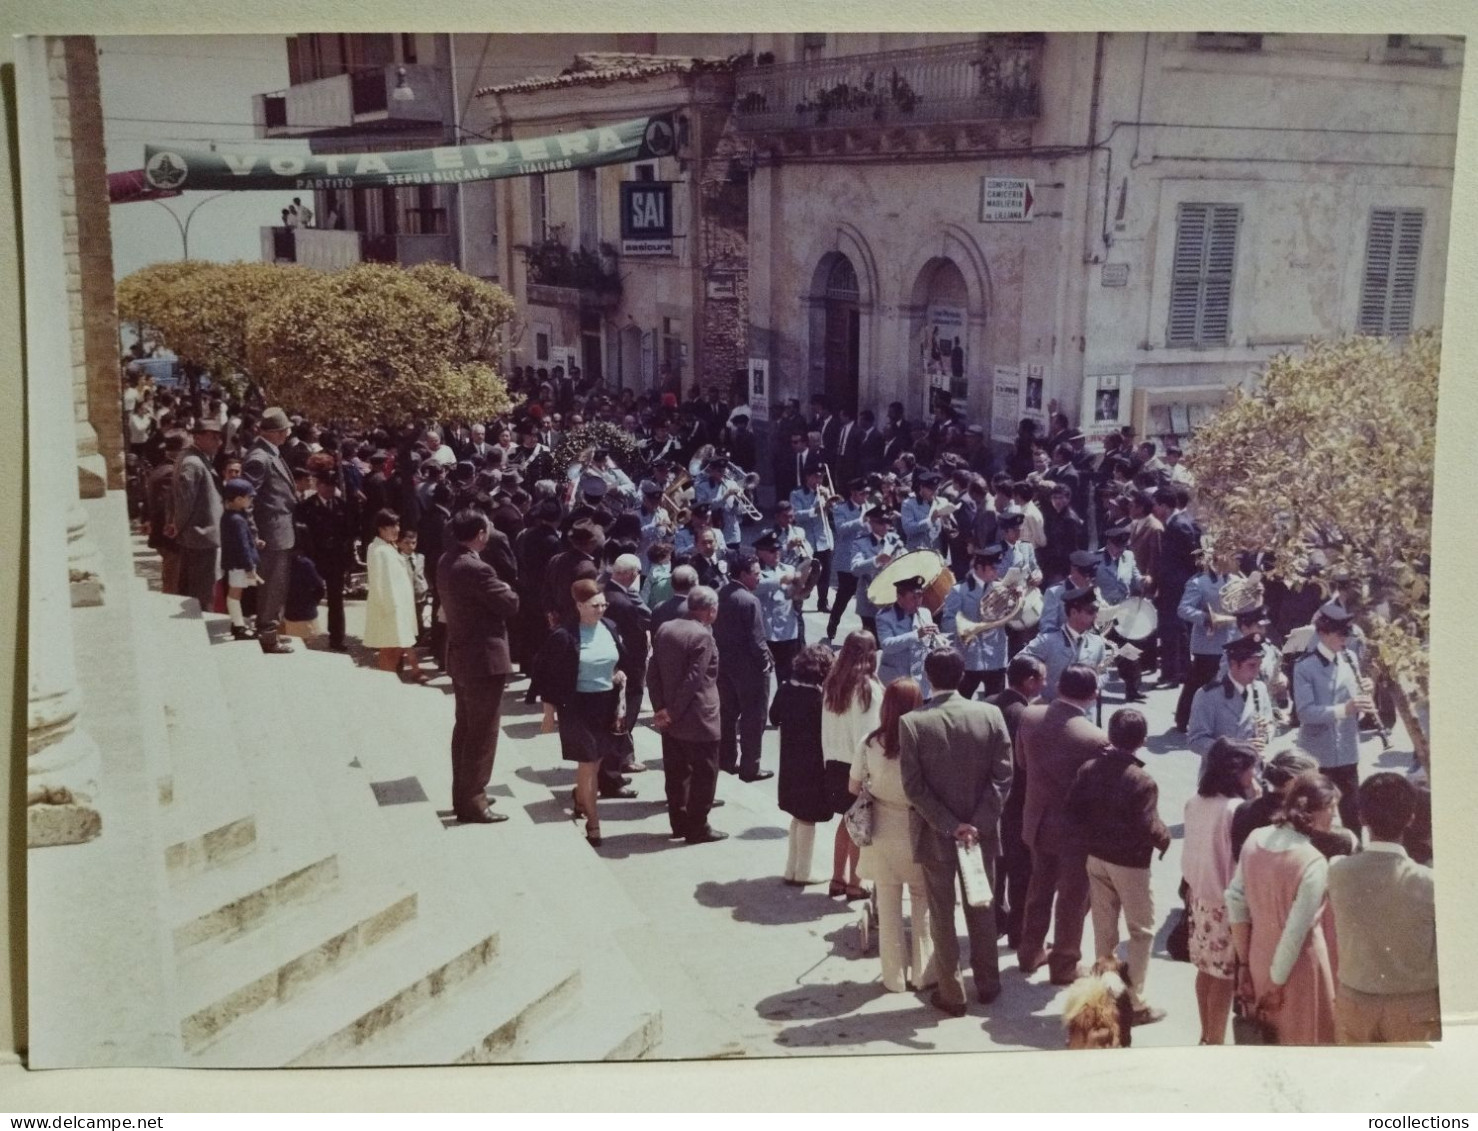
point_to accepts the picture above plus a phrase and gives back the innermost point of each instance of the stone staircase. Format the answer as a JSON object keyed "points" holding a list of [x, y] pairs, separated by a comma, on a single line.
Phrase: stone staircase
{"points": [[321, 909]]}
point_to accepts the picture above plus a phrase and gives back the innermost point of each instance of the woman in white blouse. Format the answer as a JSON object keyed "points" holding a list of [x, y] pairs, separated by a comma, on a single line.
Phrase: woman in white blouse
{"points": [[852, 700], [888, 861]]}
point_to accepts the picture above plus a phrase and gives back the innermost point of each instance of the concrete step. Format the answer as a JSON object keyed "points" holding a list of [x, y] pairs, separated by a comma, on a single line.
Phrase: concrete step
{"points": [[615, 1017], [335, 1016], [487, 1015], [221, 988], [209, 818], [220, 905]]}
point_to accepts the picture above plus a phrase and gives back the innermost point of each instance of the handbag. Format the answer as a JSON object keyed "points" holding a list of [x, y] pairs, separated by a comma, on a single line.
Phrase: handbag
{"points": [[858, 818], [1249, 1026]]}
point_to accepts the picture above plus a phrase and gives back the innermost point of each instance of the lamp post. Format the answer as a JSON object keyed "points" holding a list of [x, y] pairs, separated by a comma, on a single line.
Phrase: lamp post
{"points": [[184, 225]]}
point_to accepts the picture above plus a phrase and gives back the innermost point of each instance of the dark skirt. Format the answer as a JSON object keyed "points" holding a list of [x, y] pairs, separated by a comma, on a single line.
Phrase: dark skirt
{"points": [[585, 726]]}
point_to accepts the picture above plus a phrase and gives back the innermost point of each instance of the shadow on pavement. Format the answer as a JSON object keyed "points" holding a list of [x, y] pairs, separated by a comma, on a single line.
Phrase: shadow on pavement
{"points": [[762, 832], [1014, 1019], [894, 1027], [550, 811], [624, 845], [557, 778], [756, 901], [810, 1003], [524, 730]]}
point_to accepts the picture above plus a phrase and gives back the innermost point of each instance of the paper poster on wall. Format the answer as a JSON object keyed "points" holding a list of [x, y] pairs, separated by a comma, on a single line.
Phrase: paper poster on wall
{"points": [[1035, 379], [1005, 407], [759, 389], [1107, 404], [941, 349]]}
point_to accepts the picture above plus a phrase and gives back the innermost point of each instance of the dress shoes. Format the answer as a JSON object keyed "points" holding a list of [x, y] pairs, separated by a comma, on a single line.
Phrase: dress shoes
{"points": [[718, 803], [634, 768], [617, 794], [239, 632], [1069, 977], [953, 1009], [485, 817], [1032, 965], [1146, 1015], [758, 775], [707, 836], [272, 645]]}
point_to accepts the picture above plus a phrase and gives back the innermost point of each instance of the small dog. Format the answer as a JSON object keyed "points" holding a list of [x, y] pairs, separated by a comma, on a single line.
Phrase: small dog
{"points": [[1098, 1013]]}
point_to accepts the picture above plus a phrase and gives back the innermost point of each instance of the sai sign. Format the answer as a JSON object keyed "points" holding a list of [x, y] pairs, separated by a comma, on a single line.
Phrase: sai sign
{"points": [[1006, 199], [646, 218]]}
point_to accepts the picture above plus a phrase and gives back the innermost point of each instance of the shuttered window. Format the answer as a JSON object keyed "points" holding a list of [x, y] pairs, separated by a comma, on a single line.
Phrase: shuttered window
{"points": [[1201, 277], [1392, 251]]}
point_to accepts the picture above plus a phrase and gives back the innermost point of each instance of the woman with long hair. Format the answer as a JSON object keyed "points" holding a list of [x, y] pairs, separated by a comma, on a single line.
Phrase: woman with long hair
{"points": [[1281, 926], [1207, 864], [852, 701], [797, 711], [888, 861]]}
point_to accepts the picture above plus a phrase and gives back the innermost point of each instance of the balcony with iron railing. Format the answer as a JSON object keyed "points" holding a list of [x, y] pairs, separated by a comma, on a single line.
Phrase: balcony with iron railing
{"points": [[985, 81], [388, 97]]}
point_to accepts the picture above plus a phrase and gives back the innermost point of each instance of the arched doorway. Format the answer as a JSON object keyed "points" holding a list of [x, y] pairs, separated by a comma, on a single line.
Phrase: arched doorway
{"points": [[940, 337], [841, 330]]}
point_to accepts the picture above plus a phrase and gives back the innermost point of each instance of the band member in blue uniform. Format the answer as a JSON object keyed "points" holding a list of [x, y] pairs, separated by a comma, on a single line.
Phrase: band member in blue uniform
{"points": [[1082, 564], [1238, 705], [1330, 695], [905, 635], [782, 621], [1211, 631], [870, 553], [921, 526], [985, 652], [721, 496], [1020, 554], [1117, 577], [1074, 643], [809, 503], [847, 526]]}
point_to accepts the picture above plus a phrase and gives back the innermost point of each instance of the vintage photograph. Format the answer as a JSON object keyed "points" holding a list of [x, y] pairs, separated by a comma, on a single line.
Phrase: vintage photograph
{"points": [[488, 491]]}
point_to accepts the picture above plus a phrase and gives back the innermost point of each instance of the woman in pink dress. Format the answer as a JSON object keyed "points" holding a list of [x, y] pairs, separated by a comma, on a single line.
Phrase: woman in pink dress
{"points": [[1281, 925]]}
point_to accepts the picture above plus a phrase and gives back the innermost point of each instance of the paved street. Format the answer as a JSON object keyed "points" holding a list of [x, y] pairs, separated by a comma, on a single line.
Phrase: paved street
{"points": [[746, 966]]}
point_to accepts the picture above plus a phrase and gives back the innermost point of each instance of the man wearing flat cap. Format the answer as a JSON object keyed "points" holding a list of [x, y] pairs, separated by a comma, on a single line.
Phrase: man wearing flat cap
{"points": [[197, 514], [1330, 695], [905, 632]]}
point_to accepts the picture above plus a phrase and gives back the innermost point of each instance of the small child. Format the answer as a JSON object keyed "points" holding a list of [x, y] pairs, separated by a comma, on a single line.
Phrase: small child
{"points": [[305, 588], [657, 585], [415, 565], [239, 555]]}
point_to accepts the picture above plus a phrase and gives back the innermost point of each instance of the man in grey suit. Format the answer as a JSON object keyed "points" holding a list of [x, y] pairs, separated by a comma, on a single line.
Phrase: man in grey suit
{"points": [[276, 500], [1054, 739], [744, 671], [956, 768], [478, 606], [682, 679], [197, 514], [684, 578]]}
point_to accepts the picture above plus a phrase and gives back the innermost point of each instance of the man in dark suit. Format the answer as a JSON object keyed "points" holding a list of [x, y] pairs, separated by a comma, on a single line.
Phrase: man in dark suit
{"points": [[195, 517], [1179, 546], [956, 766], [584, 541], [744, 671], [1054, 739], [683, 680], [870, 444], [847, 454], [1025, 676], [330, 529], [684, 578], [478, 607], [633, 620], [273, 510], [793, 467]]}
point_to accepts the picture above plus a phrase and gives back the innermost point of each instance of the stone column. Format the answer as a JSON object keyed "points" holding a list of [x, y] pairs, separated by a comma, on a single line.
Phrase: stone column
{"points": [[62, 761]]}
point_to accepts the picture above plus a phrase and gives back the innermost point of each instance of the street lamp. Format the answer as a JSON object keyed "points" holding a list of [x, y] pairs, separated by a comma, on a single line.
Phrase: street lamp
{"points": [[184, 226]]}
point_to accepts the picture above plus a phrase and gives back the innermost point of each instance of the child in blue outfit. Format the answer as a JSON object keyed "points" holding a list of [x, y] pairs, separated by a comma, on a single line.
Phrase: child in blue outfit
{"points": [[239, 555]]}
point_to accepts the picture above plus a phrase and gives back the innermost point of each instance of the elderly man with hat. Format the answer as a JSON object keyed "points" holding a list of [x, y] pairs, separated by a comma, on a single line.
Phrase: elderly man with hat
{"points": [[872, 550], [1075, 642], [1330, 695], [275, 506], [985, 652], [906, 635], [1237, 706], [196, 522]]}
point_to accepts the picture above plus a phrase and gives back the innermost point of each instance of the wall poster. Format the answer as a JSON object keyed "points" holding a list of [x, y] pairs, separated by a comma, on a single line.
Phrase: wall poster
{"points": [[1108, 403]]}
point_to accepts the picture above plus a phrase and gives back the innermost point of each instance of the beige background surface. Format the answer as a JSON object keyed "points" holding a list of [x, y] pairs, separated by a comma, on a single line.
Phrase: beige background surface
{"points": [[1390, 1081]]}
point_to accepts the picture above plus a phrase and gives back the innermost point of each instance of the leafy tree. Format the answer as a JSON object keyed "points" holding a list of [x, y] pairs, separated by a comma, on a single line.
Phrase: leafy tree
{"points": [[1329, 464], [148, 298], [384, 345]]}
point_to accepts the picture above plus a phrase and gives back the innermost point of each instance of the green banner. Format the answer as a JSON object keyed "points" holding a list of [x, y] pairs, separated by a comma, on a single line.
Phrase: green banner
{"points": [[232, 167]]}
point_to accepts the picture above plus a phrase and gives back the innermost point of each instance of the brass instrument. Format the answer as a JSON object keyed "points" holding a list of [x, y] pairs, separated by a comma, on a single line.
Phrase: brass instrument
{"points": [[1000, 604], [744, 490]]}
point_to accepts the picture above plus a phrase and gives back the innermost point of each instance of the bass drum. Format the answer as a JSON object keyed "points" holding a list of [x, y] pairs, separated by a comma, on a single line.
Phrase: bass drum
{"points": [[938, 580], [1030, 614], [1137, 619]]}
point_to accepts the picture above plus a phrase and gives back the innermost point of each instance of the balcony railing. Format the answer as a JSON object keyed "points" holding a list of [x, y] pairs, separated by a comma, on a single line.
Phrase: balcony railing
{"points": [[343, 103], [988, 81], [329, 249]]}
